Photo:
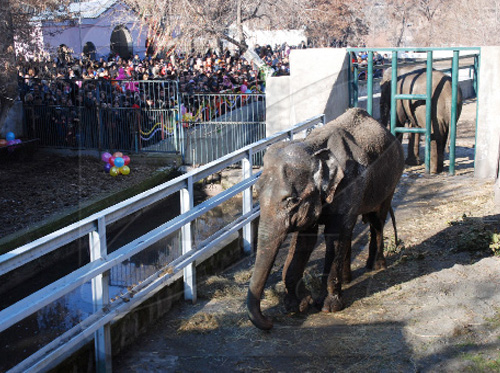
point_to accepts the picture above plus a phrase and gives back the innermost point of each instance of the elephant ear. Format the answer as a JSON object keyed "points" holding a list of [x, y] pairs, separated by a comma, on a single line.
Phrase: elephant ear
{"points": [[328, 175]]}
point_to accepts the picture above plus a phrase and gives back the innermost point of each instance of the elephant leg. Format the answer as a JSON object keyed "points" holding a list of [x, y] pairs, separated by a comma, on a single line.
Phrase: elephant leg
{"points": [[438, 145], [413, 157], [376, 259], [338, 244], [301, 247]]}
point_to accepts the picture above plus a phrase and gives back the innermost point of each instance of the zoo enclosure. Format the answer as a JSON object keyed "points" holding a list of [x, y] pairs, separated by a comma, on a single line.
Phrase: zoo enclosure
{"points": [[97, 325], [143, 116], [355, 70]]}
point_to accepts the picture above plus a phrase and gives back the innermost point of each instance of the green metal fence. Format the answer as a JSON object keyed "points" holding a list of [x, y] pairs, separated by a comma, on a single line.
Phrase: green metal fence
{"points": [[397, 62]]}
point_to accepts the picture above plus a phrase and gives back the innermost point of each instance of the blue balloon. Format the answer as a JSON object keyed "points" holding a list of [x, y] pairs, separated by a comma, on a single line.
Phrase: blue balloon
{"points": [[107, 167], [119, 162], [10, 136]]}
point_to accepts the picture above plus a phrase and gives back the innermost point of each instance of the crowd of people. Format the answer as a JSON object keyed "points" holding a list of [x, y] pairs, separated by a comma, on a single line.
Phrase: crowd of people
{"points": [[66, 91], [65, 80]]}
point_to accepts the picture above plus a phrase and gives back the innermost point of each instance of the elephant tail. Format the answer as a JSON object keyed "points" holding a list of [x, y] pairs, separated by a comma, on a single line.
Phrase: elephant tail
{"points": [[393, 218]]}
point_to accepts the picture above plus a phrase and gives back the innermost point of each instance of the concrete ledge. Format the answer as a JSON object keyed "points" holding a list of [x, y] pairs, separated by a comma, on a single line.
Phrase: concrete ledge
{"points": [[126, 330]]}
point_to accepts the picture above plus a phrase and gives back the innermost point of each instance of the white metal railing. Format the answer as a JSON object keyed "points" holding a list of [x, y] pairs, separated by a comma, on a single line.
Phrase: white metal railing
{"points": [[97, 325]]}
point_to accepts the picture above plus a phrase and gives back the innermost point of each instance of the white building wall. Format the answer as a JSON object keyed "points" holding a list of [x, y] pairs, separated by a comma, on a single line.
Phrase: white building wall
{"points": [[96, 30]]}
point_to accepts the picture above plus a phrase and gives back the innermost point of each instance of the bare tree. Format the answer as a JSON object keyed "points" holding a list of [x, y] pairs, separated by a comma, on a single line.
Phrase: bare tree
{"points": [[333, 22]]}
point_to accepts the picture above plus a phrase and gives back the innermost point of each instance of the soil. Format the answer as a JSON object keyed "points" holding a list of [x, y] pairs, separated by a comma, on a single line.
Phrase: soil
{"points": [[436, 308], [43, 185]]}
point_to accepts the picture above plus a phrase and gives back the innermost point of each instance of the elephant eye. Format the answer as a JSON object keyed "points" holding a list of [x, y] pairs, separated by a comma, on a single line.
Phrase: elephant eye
{"points": [[292, 201]]}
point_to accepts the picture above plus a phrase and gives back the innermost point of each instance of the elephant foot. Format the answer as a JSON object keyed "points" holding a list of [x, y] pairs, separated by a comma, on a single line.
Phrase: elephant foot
{"points": [[412, 161], [332, 303], [346, 277], [293, 304], [376, 264]]}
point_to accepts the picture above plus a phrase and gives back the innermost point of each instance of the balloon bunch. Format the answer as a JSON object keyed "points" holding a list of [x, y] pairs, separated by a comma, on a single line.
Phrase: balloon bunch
{"points": [[116, 164], [10, 139]]}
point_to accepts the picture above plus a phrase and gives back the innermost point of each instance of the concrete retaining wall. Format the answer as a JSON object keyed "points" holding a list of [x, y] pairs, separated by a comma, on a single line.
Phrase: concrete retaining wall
{"points": [[488, 130], [318, 84], [126, 330]]}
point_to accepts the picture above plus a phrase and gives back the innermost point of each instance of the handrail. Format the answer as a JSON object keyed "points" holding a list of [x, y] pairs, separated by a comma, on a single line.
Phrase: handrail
{"points": [[97, 325]]}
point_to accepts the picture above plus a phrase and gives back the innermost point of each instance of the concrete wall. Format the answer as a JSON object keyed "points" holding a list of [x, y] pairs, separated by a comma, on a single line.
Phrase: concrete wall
{"points": [[488, 128], [318, 84], [14, 121]]}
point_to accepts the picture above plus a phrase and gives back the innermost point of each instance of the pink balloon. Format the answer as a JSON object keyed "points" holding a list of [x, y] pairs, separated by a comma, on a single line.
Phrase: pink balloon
{"points": [[126, 158], [105, 157], [243, 88]]}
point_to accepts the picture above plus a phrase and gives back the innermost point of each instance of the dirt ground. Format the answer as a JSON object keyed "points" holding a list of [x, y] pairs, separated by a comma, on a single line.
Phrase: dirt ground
{"points": [[435, 309], [34, 190]]}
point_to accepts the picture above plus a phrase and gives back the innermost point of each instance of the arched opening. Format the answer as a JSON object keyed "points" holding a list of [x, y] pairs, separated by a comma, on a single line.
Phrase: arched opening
{"points": [[121, 42], [89, 50], [63, 53]]}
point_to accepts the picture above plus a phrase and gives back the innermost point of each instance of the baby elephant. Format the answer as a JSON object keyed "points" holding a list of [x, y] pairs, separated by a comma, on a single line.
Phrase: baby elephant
{"points": [[347, 168]]}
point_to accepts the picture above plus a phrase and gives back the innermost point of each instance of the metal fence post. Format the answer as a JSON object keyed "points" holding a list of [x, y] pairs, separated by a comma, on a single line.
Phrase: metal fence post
{"points": [[369, 84], [187, 203], [428, 113], [100, 297], [247, 202], [394, 86], [453, 124]]}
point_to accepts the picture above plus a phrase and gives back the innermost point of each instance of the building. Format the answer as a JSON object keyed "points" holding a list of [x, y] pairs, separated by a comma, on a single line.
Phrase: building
{"points": [[97, 28]]}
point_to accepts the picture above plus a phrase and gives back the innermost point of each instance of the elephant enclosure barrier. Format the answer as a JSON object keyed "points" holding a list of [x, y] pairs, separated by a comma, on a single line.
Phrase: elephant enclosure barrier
{"points": [[434, 309], [111, 303]]}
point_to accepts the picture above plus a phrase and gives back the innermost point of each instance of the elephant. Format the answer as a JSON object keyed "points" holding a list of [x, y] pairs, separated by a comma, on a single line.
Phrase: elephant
{"points": [[413, 80], [344, 169]]}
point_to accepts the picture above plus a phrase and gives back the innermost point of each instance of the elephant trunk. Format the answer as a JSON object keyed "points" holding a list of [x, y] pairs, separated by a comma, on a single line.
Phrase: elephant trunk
{"points": [[268, 245]]}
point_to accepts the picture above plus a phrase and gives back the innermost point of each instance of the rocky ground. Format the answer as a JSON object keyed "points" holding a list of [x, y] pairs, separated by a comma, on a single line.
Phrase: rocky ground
{"points": [[435, 309]]}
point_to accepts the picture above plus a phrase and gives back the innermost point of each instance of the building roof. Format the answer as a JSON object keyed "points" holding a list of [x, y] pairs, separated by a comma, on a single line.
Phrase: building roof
{"points": [[91, 9]]}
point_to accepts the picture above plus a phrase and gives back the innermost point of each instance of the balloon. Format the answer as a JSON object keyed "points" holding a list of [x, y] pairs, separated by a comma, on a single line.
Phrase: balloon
{"points": [[107, 168], [125, 170], [105, 156], [11, 142], [126, 159], [119, 162], [17, 141], [10, 136], [3, 142], [117, 154], [243, 88], [114, 171], [111, 160]]}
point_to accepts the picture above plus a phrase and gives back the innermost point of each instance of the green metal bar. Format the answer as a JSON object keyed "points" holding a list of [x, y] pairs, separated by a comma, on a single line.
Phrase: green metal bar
{"points": [[369, 84], [410, 130], [394, 84], [355, 86], [428, 117], [411, 97], [475, 77], [419, 49], [453, 124], [478, 82], [350, 80]]}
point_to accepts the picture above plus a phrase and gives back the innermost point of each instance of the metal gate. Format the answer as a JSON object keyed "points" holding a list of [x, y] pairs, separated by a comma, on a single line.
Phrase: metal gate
{"points": [[373, 68], [103, 114]]}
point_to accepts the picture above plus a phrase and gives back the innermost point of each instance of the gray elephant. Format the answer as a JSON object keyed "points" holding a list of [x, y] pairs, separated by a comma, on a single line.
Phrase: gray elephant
{"points": [[413, 80], [347, 168]]}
